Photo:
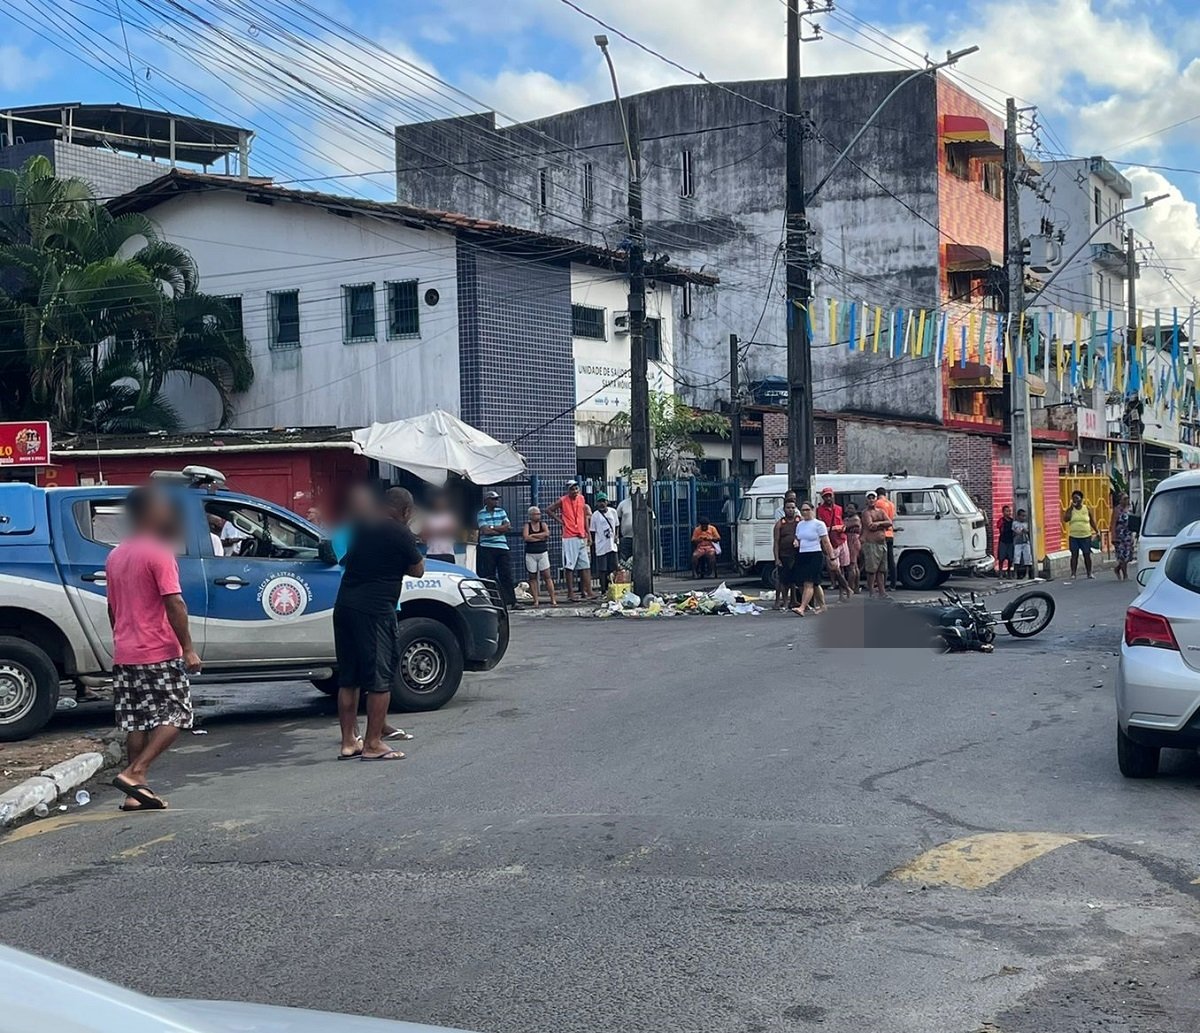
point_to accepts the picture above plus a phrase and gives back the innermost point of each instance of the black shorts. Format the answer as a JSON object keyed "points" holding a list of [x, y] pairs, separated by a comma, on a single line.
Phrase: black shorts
{"points": [[1078, 545], [787, 569], [606, 563], [366, 649]]}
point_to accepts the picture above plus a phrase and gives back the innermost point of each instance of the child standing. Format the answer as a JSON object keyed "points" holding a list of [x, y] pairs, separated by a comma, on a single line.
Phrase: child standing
{"points": [[1022, 548]]}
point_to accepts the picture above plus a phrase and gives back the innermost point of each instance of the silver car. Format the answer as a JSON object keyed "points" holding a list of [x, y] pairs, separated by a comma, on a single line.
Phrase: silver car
{"points": [[1158, 678], [40, 995]]}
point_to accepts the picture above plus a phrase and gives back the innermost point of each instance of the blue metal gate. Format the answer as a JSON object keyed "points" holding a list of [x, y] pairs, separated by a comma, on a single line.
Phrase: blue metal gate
{"points": [[680, 504]]}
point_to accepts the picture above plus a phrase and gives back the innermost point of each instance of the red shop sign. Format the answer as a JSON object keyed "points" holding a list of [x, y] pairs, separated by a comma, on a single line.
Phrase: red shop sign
{"points": [[25, 443]]}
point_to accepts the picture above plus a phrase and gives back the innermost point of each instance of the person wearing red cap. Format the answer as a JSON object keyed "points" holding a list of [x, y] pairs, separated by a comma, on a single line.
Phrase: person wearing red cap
{"points": [[830, 514]]}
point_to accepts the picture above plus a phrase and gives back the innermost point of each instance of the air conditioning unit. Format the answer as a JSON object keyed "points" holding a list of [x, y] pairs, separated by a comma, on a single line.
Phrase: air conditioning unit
{"points": [[620, 322]]}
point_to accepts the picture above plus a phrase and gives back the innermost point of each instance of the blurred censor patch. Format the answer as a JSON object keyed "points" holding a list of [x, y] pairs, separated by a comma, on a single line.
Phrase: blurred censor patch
{"points": [[877, 625]]}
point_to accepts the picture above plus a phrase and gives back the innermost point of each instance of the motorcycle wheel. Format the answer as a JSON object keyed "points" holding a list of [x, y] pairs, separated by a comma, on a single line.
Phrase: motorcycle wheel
{"points": [[1028, 614]]}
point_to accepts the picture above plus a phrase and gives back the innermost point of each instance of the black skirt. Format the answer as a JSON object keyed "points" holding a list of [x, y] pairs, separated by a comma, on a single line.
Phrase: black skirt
{"points": [[810, 567]]}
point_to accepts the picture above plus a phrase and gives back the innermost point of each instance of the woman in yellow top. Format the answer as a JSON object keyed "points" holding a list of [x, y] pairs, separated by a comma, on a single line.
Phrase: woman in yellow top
{"points": [[1081, 529]]}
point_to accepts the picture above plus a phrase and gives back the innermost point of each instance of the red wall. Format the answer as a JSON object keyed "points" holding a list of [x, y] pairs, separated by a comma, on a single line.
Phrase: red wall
{"points": [[294, 478]]}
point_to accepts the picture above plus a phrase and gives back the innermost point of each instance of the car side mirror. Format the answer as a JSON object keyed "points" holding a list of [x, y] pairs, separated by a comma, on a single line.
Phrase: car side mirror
{"points": [[1143, 575], [325, 552], [1135, 523]]}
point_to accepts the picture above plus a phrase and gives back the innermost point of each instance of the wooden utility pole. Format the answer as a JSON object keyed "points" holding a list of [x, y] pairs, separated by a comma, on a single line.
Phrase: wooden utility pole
{"points": [[801, 460], [735, 412]]}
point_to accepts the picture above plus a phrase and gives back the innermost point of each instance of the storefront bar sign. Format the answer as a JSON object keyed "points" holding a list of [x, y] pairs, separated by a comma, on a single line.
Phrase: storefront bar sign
{"points": [[25, 443]]}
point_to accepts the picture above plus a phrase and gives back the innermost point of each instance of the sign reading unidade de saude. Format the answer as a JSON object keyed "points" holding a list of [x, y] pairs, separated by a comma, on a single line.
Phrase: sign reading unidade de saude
{"points": [[25, 443]]}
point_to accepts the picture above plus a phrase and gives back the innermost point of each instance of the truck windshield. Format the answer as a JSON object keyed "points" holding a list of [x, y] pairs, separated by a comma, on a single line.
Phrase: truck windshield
{"points": [[1169, 512], [960, 500]]}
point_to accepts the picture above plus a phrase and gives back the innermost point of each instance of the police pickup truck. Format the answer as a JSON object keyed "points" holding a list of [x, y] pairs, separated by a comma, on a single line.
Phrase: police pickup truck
{"points": [[262, 612]]}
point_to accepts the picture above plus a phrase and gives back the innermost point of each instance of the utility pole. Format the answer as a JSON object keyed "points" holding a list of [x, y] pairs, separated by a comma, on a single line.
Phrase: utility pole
{"points": [[735, 412], [801, 461], [1131, 275], [1020, 427], [639, 388], [639, 391]]}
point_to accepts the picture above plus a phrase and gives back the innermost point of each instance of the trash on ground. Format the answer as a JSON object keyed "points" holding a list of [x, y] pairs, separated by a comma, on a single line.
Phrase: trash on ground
{"points": [[83, 797], [41, 810], [199, 731], [66, 703], [722, 600]]}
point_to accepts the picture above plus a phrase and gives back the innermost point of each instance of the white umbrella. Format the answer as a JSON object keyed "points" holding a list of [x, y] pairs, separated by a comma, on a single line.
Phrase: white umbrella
{"points": [[437, 444]]}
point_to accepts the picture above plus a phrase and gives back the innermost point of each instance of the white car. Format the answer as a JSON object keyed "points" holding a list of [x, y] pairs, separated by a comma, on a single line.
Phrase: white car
{"points": [[1158, 677], [40, 995]]}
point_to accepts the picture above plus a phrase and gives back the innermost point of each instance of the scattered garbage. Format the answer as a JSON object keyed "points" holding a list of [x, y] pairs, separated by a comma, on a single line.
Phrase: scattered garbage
{"points": [[41, 810], [66, 703], [199, 731], [62, 806], [766, 596], [721, 600], [83, 797]]}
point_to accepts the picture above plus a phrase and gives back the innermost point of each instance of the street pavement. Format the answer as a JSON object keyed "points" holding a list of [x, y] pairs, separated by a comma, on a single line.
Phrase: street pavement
{"points": [[703, 823]]}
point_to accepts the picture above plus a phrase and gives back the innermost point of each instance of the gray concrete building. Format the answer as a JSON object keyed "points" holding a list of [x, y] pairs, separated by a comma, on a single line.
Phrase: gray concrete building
{"points": [[713, 173]]}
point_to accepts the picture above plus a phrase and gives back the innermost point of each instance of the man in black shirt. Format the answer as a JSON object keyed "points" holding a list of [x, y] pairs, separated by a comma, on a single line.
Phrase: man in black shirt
{"points": [[382, 551]]}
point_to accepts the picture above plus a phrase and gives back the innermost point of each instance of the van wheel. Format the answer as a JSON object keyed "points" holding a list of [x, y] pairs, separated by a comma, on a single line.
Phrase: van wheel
{"points": [[766, 574], [1134, 759], [28, 689], [429, 665], [917, 570]]}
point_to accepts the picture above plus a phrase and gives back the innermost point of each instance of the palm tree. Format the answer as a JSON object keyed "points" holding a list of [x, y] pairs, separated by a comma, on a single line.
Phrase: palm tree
{"points": [[96, 311]]}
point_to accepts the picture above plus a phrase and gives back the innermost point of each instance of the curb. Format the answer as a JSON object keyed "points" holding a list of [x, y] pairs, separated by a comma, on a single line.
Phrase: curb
{"points": [[55, 782]]}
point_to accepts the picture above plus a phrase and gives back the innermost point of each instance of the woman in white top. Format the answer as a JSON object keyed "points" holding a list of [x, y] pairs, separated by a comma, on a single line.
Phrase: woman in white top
{"points": [[812, 550]]}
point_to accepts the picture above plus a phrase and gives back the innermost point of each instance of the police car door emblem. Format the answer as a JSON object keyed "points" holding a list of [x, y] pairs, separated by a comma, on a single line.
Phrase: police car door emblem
{"points": [[284, 597]]}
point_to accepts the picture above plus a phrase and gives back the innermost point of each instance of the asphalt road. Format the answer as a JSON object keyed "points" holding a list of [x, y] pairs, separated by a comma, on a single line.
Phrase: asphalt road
{"points": [[698, 824]]}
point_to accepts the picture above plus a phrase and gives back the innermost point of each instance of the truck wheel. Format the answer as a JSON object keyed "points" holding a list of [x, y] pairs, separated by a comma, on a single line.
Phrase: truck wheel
{"points": [[1134, 759], [28, 689], [429, 665], [917, 570], [766, 573], [329, 685]]}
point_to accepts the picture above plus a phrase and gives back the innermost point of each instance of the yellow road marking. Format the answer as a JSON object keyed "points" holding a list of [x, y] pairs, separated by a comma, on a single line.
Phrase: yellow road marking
{"points": [[137, 851], [53, 824], [973, 862]]}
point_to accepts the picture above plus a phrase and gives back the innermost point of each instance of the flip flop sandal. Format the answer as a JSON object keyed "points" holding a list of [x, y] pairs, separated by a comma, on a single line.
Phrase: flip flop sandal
{"points": [[350, 756], [401, 735], [142, 793], [390, 755]]}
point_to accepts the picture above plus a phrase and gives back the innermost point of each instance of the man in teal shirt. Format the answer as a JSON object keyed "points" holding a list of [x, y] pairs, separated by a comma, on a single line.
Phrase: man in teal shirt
{"points": [[492, 556]]}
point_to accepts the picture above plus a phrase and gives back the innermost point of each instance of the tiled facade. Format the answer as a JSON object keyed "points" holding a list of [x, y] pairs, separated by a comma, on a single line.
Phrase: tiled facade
{"points": [[516, 365]]}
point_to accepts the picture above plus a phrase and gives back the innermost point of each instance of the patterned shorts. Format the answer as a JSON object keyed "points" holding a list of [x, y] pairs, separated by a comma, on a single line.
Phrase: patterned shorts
{"points": [[148, 695]]}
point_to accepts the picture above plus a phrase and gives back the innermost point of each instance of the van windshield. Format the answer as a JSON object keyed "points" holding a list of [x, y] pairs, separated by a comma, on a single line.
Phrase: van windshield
{"points": [[959, 499], [1169, 512]]}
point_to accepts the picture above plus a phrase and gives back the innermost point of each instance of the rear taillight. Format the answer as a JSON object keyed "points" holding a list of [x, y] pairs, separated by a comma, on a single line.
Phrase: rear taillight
{"points": [[1148, 629]]}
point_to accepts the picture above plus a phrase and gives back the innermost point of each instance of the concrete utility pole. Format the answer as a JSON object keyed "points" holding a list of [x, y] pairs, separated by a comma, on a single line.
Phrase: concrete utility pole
{"points": [[801, 460], [735, 412], [1131, 274], [1014, 259], [639, 390]]}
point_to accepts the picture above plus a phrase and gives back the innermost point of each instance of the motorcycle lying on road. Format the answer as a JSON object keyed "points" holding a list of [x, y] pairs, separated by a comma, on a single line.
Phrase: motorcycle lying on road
{"points": [[967, 625]]}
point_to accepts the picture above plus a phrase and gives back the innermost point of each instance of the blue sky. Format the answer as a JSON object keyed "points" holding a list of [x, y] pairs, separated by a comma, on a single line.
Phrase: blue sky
{"points": [[1103, 74]]}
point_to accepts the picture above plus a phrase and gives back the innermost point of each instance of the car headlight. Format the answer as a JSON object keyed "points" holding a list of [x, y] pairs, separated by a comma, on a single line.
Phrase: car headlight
{"points": [[474, 592]]}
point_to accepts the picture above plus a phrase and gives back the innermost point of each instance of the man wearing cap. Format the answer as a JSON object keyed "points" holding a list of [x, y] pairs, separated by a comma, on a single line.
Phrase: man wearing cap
{"points": [[492, 560], [573, 513], [830, 514], [603, 525], [874, 547]]}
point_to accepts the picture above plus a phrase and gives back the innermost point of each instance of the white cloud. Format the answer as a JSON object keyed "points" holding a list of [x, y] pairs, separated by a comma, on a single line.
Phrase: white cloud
{"points": [[1174, 227], [528, 94]]}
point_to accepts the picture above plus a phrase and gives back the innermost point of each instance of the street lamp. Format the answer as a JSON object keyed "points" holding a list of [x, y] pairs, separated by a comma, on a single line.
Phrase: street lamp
{"points": [[952, 57]]}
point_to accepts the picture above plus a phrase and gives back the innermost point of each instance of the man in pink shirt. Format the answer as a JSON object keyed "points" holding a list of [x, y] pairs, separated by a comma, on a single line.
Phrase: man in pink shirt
{"points": [[152, 647]]}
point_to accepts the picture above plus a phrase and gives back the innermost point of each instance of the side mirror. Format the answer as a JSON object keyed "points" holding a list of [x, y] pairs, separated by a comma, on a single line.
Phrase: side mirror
{"points": [[1143, 575], [325, 552], [1135, 523]]}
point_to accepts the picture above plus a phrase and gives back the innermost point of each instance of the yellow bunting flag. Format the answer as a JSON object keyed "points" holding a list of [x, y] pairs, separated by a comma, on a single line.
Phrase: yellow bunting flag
{"points": [[875, 335]]}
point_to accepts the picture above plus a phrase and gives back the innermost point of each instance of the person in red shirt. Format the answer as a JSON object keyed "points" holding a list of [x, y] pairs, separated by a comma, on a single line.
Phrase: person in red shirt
{"points": [[152, 646], [575, 516], [830, 514]]}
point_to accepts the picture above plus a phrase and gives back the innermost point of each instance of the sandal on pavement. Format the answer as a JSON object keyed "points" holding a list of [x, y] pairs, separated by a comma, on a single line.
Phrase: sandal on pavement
{"points": [[140, 792], [400, 734], [390, 755]]}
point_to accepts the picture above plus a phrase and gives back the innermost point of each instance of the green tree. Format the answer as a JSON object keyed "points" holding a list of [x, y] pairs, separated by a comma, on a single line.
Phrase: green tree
{"points": [[674, 426], [97, 310]]}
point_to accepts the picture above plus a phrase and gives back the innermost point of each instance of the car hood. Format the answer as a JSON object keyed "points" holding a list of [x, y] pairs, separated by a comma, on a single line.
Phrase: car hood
{"points": [[235, 1017]]}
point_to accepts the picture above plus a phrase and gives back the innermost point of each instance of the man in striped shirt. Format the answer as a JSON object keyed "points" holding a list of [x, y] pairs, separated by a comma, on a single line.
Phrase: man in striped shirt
{"points": [[492, 555]]}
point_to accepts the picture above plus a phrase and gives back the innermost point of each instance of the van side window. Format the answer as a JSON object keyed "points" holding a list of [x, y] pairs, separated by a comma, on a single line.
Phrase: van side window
{"points": [[767, 506], [1169, 512], [915, 503]]}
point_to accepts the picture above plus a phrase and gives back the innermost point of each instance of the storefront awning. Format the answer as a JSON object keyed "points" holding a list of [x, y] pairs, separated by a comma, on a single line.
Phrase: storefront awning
{"points": [[963, 258], [1189, 454], [977, 133]]}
